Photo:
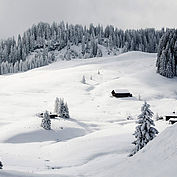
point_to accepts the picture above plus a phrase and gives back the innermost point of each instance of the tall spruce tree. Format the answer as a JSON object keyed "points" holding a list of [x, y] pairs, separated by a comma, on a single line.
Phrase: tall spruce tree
{"points": [[57, 105], [63, 110], [145, 131], [66, 112], [46, 122]]}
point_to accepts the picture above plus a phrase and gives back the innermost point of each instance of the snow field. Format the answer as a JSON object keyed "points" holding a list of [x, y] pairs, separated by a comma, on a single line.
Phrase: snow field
{"points": [[97, 139]]}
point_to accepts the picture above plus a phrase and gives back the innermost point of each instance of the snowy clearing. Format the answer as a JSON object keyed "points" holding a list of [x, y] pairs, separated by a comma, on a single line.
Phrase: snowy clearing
{"points": [[97, 139]]}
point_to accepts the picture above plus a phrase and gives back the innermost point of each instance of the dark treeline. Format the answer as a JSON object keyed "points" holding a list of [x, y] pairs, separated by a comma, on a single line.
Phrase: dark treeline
{"points": [[15, 55], [167, 54]]}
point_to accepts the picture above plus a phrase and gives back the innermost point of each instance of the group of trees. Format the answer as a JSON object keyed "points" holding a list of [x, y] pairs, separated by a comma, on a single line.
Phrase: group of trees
{"points": [[167, 54], [60, 108], [45, 38], [39, 59], [144, 132]]}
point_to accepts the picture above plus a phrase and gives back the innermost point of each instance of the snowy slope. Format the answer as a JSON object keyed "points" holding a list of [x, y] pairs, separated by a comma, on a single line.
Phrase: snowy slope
{"points": [[97, 138], [157, 159]]}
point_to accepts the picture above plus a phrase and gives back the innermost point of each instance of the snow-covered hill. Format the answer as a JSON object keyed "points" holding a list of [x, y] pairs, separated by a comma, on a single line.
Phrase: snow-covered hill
{"points": [[97, 138]]}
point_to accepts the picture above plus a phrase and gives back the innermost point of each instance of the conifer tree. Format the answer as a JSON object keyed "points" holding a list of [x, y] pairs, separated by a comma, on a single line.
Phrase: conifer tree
{"points": [[1, 165], [45, 39], [66, 112], [61, 108], [57, 105], [83, 80], [145, 131], [46, 122]]}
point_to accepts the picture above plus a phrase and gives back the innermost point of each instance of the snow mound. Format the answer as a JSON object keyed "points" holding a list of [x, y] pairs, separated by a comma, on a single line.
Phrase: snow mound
{"points": [[135, 54], [158, 158]]}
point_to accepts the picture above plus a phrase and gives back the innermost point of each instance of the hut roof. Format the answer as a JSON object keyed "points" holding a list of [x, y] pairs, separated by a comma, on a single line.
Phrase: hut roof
{"points": [[121, 91]]}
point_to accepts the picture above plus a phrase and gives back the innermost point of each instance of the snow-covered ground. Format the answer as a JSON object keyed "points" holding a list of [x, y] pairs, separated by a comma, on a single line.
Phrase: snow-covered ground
{"points": [[97, 139]]}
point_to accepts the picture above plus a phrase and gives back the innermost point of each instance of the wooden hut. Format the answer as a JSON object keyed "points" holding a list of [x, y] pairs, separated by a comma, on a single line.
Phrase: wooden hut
{"points": [[168, 117], [121, 93]]}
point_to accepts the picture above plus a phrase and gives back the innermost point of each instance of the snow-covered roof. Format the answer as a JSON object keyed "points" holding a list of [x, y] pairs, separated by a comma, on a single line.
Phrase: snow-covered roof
{"points": [[172, 119], [172, 115], [121, 91]]}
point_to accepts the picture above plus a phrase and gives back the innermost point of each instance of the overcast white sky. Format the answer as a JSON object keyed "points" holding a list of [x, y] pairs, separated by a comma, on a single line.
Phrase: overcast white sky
{"points": [[18, 15]]}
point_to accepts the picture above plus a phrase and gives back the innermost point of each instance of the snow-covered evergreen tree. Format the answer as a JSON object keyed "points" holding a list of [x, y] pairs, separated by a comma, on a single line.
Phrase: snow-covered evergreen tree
{"points": [[66, 112], [45, 39], [46, 122], [57, 105], [99, 53], [83, 80], [169, 70], [139, 97], [1, 165], [166, 56], [63, 110], [145, 131]]}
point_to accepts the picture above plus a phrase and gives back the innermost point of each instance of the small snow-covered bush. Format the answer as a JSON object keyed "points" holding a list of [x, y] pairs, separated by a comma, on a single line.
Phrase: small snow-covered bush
{"points": [[157, 117], [83, 80], [139, 97], [129, 117], [57, 105], [46, 122]]}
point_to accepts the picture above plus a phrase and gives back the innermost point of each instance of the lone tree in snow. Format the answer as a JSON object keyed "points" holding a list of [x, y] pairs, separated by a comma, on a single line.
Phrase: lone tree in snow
{"points": [[98, 72], [1, 165], [46, 122], [144, 131], [83, 80]]}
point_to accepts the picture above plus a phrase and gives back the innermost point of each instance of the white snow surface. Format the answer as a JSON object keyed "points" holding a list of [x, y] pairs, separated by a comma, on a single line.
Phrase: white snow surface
{"points": [[96, 141]]}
